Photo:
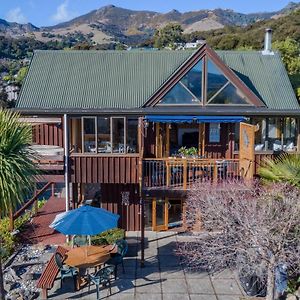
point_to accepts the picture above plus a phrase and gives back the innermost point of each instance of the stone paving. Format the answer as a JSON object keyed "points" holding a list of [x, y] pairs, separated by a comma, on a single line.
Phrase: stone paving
{"points": [[163, 277]]}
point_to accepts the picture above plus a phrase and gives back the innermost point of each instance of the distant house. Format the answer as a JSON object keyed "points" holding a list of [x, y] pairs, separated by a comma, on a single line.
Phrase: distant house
{"points": [[134, 130]]}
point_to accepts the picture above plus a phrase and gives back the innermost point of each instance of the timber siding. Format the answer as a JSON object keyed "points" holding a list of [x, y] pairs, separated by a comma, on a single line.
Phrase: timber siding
{"points": [[48, 134], [104, 169], [111, 199]]}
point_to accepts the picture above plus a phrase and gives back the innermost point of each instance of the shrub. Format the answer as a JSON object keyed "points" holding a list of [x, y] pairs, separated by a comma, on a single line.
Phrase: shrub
{"points": [[108, 237]]}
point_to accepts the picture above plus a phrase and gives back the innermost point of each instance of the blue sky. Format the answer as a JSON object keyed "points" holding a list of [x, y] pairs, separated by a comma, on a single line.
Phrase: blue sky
{"points": [[50, 12]]}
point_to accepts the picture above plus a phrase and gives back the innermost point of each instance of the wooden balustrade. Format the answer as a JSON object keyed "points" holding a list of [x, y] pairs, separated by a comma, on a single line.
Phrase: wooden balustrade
{"points": [[182, 173]]}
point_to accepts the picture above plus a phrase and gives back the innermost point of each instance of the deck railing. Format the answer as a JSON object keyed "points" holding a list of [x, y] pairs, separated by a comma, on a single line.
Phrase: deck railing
{"points": [[182, 173]]}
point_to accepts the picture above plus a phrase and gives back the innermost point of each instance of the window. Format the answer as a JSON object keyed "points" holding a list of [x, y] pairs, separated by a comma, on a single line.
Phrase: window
{"points": [[89, 134], [103, 135], [132, 138], [289, 134], [260, 133], [215, 79], [110, 134], [229, 94], [118, 135], [188, 90], [214, 132]]}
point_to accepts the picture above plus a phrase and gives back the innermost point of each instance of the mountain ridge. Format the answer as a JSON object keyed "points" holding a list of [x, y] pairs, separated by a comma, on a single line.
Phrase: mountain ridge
{"points": [[116, 24]]}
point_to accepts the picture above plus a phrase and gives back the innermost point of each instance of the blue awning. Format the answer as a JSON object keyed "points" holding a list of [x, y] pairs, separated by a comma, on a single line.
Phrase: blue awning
{"points": [[194, 119]]}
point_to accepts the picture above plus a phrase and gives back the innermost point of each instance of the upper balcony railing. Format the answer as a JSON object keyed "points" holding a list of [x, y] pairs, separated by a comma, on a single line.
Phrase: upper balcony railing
{"points": [[182, 173]]}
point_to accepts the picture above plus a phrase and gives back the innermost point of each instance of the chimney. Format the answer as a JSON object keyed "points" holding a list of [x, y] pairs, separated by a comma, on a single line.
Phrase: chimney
{"points": [[268, 43]]}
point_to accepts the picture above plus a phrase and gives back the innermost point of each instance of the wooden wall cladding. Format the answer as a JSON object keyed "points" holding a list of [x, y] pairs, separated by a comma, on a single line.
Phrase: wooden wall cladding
{"points": [[48, 134], [102, 169], [111, 200]]}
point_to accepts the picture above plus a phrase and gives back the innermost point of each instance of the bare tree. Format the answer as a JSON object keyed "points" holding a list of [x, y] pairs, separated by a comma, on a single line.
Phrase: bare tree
{"points": [[253, 229]]}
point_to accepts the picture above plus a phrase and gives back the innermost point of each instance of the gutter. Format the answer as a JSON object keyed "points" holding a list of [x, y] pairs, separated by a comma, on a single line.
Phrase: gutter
{"points": [[213, 111]]}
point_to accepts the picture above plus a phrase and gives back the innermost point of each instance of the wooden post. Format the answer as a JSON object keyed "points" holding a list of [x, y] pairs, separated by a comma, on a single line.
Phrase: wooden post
{"points": [[215, 172], [185, 175], [35, 202], [168, 173], [184, 224], [167, 147], [52, 189], [298, 135]]}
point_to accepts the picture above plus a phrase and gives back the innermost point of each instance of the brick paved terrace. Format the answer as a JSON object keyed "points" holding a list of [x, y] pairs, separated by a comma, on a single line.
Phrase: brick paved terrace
{"points": [[163, 277]]}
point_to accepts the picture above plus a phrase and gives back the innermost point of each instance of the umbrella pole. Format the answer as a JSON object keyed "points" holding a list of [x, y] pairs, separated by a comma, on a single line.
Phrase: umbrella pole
{"points": [[142, 233]]}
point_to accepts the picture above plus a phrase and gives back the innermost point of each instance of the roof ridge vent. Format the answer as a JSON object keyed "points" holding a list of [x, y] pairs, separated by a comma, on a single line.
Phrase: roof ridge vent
{"points": [[268, 43]]}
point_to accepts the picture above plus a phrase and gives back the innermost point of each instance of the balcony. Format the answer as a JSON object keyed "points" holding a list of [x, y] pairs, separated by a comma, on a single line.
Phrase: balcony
{"points": [[183, 173]]}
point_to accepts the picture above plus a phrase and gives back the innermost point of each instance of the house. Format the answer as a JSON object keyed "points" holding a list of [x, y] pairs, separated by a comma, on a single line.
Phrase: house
{"points": [[110, 124]]}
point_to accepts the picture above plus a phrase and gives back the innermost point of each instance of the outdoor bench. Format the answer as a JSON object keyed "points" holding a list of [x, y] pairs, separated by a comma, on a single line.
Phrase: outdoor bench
{"points": [[46, 281]]}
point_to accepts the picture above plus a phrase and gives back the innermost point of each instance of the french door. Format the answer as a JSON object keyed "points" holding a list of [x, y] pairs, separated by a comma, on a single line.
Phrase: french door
{"points": [[166, 213]]}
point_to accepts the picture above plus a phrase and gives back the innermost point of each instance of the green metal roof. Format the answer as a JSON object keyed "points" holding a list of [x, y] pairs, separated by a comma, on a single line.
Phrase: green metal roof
{"points": [[127, 79]]}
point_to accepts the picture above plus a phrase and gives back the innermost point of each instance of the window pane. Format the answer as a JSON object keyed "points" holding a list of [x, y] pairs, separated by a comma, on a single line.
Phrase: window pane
{"points": [[76, 135], [215, 79], [118, 135], [214, 132], [193, 80], [260, 134], [132, 135], [103, 138], [229, 95], [89, 134], [179, 95], [274, 134], [289, 138]]}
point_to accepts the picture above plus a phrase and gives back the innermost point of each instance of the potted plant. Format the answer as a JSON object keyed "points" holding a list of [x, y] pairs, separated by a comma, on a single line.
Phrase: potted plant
{"points": [[188, 152]]}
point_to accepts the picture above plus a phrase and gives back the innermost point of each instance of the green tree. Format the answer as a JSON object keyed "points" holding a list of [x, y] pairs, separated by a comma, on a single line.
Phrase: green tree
{"points": [[16, 167], [168, 36], [286, 168], [21, 75], [290, 52]]}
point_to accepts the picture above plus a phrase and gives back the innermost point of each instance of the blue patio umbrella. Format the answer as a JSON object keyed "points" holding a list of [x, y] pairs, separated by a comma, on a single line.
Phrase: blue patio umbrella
{"points": [[85, 220]]}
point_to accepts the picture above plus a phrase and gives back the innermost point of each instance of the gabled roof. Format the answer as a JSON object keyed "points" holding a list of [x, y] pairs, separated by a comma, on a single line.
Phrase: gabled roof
{"points": [[128, 79]]}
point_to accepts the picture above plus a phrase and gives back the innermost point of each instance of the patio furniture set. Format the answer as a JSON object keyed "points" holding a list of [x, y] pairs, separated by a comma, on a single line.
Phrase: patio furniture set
{"points": [[77, 262]]}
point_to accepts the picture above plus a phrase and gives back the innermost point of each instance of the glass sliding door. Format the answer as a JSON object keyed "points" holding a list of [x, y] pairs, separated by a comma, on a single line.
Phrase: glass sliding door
{"points": [[89, 140], [103, 135], [118, 135]]}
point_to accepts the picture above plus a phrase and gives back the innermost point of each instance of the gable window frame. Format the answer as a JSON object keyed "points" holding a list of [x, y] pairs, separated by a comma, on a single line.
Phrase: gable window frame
{"points": [[200, 102], [204, 85], [207, 101]]}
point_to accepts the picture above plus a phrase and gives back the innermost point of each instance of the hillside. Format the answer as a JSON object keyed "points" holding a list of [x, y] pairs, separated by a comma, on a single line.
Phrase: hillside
{"points": [[114, 24]]}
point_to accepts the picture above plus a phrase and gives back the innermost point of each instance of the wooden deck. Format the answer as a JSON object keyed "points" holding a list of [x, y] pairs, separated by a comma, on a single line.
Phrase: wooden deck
{"points": [[38, 230]]}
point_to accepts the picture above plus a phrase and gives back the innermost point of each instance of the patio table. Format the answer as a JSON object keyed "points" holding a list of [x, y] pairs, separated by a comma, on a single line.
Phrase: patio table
{"points": [[87, 257]]}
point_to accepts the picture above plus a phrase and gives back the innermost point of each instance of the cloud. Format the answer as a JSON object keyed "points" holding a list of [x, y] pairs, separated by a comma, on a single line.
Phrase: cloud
{"points": [[63, 13], [16, 15]]}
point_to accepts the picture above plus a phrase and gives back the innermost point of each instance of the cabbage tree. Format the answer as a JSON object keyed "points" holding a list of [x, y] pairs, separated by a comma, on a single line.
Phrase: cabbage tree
{"points": [[16, 166]]}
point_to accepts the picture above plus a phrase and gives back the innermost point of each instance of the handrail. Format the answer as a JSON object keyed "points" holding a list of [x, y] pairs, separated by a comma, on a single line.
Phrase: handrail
{"points": [[178, 159], [185, 172], [31, 201]]}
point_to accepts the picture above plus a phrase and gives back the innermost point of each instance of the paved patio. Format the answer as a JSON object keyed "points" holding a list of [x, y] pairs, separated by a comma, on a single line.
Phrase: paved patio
{"points": [[162, 278]]}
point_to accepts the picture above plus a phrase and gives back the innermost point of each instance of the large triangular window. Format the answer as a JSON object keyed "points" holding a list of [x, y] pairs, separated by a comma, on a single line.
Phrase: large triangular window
{"points": [[188, 90], [208, 83], [220, 91]]}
